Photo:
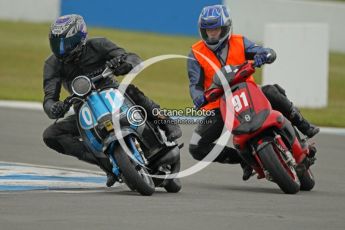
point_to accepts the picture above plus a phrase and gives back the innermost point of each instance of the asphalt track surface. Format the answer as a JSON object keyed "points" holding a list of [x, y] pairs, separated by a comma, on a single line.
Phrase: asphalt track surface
{"points": [[215, 198]]}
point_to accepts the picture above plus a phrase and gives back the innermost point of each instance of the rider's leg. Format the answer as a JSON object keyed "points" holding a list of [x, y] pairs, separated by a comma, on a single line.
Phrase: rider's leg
{"points": [[63, 137], [279, 101], [171, 129], [202, 140]]}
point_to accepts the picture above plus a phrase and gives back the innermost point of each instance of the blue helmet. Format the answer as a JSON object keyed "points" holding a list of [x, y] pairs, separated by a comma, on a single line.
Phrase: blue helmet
{"points": [[67, 36], [212, 17]]}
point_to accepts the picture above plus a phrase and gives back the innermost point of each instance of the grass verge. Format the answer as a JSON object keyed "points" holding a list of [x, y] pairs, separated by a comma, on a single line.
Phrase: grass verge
{"points": [[24, 47]]}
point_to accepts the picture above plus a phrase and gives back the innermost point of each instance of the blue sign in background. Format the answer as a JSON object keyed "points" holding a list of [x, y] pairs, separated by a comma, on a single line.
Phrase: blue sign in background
{"points": [[161, 16]]}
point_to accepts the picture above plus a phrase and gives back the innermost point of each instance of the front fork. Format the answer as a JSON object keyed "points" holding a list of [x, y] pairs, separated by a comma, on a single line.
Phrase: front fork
{"points": [[133, 146], [285, 156], [115, 169]]}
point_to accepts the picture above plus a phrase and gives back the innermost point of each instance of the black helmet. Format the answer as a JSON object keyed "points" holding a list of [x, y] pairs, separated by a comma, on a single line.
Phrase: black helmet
{"points": [[211, 17], [67, 36]]}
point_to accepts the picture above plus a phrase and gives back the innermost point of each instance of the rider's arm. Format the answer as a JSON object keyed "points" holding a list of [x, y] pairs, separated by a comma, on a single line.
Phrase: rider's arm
{"points": [[251, 49], [196, 78], [112, 51], [51, 85]]}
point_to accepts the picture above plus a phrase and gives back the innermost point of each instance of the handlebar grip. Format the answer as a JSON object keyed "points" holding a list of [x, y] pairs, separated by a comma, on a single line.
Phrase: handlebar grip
{"points": [[213, 94]]}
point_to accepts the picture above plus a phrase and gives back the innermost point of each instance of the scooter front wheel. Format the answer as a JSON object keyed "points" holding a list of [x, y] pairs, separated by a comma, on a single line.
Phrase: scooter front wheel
{"points": [[135, 175], [271, 162]]}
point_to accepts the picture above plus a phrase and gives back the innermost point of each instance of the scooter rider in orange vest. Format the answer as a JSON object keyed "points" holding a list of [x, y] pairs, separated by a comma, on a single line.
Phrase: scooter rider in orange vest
{"points": [[223, 48]]}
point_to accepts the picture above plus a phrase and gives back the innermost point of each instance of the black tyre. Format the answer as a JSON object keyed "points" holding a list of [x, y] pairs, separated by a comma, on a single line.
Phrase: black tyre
{"points": [[288, 184], [135, 176], [307, 180], [129, 185]]}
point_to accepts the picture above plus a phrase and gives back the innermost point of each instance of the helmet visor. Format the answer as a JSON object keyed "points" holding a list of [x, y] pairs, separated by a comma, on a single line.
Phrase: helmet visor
{"points": [[62, 47], [210, 22]]}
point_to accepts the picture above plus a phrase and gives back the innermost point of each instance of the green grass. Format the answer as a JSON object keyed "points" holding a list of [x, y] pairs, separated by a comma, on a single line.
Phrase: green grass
{"points": [[24, 47], [334, 114]]}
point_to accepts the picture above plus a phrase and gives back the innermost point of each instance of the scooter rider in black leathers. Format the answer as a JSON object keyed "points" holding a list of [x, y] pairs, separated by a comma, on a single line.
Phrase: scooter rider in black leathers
{"points": [[74, 55]]}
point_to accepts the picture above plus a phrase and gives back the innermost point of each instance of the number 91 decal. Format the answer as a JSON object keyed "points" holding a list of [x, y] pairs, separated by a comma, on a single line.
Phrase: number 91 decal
{"points": [[240, 102]]}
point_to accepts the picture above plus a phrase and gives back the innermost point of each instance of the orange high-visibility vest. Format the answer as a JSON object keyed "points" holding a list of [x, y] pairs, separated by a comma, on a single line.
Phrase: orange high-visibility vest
{"points": [[236, 56]]}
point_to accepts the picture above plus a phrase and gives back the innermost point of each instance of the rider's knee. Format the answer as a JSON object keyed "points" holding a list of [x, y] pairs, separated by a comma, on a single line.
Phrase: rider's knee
{"points": [[132, 91], [269, 90], [272, 91], [50, 140], [194, 147], [47, 134], [196, 152], [280, 89]]}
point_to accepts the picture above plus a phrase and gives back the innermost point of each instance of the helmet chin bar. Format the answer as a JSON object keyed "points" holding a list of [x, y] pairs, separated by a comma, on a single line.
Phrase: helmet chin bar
{"points": [[214, 44], [74, 55], [212, 41]]}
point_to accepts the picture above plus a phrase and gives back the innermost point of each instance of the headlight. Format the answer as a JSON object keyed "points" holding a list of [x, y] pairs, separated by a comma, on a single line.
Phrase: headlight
{"points": [[81, 85]]}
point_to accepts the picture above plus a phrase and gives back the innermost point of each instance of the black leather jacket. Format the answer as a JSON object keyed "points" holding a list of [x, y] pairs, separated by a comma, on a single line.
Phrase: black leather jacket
{"points": [[91, 62]]}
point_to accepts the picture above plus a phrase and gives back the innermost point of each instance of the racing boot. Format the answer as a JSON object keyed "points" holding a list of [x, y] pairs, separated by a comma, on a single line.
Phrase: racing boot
{"points": [[247, 171], [232, 156], [302, 124], [312, 151], [111, 179], [75, 147], [105, 165]]}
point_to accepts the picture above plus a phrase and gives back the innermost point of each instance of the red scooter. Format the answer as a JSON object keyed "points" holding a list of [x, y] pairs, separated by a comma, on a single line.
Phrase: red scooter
{"points": [[265, 138]]}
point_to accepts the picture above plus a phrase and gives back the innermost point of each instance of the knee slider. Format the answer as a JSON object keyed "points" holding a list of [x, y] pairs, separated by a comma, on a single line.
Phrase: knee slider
{"points": [[196, 152], [50, 140], [270, 90], [131, 89], [280, 89]]}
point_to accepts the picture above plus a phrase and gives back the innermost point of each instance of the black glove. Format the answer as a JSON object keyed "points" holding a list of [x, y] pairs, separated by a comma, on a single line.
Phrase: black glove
{"points": [[123, 69], [199, 101], [260, 59], [119, 66], [57, 110], [114, 63]]}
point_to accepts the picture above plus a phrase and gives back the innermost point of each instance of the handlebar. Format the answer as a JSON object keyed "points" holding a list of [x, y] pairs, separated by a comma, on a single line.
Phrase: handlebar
{"points": [[107, 72], [69, 100], [244, 71]]}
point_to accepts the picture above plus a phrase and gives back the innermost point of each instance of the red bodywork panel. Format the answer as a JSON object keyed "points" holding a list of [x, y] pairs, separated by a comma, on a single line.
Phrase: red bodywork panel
{"points": [[247, 113], [243, 107], [241, 101], [271, 121]]}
